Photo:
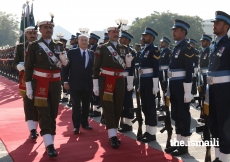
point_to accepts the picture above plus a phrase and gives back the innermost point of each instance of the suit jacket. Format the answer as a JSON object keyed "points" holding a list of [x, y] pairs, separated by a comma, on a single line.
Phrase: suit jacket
{"points": [[76, 74]]}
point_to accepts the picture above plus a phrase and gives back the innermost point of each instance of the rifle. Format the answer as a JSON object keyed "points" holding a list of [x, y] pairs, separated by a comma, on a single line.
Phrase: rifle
{"points": [[167, 120], [206, 133], [137, 110]]}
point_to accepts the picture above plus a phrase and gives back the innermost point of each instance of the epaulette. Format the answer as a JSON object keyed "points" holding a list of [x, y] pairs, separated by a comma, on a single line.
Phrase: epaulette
{"points": [[20, 44], [58, 42]]}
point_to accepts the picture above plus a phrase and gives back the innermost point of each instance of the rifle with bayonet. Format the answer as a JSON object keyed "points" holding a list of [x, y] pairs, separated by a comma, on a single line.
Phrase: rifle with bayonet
{"points": [[167, 120], [137, 110], [206, 132]]}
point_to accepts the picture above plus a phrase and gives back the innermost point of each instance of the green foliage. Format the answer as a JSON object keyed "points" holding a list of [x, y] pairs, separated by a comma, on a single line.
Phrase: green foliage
{"points": [[8, 29], [162, 24]]}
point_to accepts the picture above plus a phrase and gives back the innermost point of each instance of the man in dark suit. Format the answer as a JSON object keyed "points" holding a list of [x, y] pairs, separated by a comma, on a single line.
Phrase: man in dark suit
{"points": [[78, 79]]}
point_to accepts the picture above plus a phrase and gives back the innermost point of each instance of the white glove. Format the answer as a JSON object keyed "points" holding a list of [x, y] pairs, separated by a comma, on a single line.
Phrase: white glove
{"points": [[63, 58], [155, 85], [95, 87], [59, 64], [187, 92], [128, 60], [20, 67], [29, 90], [130, 83]]}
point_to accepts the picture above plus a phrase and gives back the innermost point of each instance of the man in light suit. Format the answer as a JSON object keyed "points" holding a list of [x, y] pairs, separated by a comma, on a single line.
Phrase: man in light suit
{"points": [[78, 79]]}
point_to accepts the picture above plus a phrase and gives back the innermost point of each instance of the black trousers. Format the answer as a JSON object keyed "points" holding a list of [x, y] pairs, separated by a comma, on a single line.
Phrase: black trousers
{"points": [[219, 115], [80, 109], [179, 110]]}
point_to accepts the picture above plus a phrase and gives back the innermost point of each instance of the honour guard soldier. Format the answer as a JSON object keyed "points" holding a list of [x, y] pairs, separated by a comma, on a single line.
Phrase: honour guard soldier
{"points": [[110, 61], [72, 41], [125, 39], [193, 43], [218, 80], [43, 82], [106, 37], [163, 66], [204, 61], [31, 115], [93, 40], [180, 84], [76, 40], [65, 92], [149, 71]]}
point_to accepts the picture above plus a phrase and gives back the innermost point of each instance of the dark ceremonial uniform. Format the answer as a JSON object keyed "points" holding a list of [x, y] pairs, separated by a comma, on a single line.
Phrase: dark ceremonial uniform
{"points": [[148, 59], [30, 111], [195, 65], [46, 83], [164, 65], [180, 60], [111, 81], [218, 78]]}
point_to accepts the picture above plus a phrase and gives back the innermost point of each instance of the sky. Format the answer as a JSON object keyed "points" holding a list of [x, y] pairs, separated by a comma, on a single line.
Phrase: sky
{"points": [[100, 14]]}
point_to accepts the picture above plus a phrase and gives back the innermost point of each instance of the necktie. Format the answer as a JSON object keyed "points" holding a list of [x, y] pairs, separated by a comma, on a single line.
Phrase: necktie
{"points": [[83, 58]]}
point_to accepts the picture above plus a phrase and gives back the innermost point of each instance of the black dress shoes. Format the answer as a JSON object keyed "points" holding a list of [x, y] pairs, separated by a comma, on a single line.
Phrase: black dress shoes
{"points": [[70, 104], [148, 137], [216, 160], [33, 134], [125, 128], [102, 121], [64, 100], [76, 131], [114, 142], [170, 149], [51, 152], [180, 151], [95, 114], [87, 127]]}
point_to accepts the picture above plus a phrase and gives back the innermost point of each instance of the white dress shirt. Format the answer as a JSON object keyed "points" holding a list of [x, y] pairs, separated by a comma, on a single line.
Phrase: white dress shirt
{"points": [[86, 56]]}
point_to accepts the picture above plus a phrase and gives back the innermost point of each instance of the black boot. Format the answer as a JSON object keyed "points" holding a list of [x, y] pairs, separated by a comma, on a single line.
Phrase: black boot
{"points": [[51, 152], [180, 151], [170, 149], [70, 104], [216, 160], [95, 114], [125, 128], [114, 143], [33, 134], [148, 137], [64, 100]]}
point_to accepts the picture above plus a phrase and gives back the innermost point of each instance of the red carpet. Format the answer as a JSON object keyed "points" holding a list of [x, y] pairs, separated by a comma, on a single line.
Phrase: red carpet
{"points": [[87, 146]]}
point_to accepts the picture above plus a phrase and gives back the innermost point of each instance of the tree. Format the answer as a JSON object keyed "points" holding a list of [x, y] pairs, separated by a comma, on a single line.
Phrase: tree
{"points": [[162, 23], [8, 29]]}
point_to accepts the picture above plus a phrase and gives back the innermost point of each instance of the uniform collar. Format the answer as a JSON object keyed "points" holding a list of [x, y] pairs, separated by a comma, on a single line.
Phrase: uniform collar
{"points": [[179, 42], [221, 38]]}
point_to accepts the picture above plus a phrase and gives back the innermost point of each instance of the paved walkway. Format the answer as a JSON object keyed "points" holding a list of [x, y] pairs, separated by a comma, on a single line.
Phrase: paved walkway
{"points": [[196, 153]]}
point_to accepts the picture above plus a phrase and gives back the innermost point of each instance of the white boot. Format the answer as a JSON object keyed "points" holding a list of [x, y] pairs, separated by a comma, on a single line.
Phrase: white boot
{"points": [[96, 109], [112, 132], [185, 140], [128, 121], [31, 125], [36, 124], [217, 152], [152, 130], [47, 139], [224, 157]]}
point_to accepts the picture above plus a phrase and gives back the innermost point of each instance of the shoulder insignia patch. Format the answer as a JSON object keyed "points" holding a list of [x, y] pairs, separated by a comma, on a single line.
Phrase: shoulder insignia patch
{"points": [[189, 56], [189, 47], [156, 57]]}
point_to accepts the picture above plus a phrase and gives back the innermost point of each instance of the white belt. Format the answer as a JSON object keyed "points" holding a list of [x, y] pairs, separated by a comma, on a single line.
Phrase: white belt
{"points": [[112, 73], [203, 70], [136, 64], [195, 70], [164, 67], [46, 75], [173, 74], [214, 80], [145, 71]]}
